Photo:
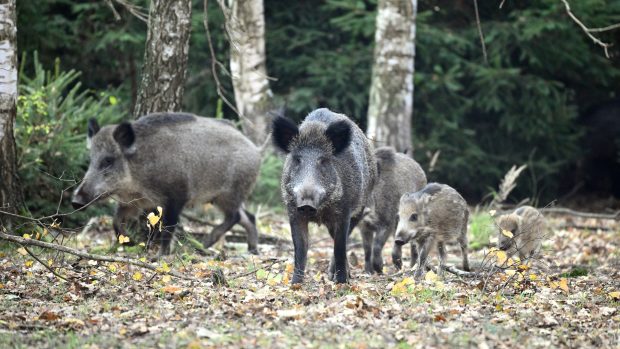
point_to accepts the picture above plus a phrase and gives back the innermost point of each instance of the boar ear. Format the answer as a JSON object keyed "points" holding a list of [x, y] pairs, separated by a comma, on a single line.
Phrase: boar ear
{"points": [[339, 133], [93, 128], [284, 130], [123, 134]]}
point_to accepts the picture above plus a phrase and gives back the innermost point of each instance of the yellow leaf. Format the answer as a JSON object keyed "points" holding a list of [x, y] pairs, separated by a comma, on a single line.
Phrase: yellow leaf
{"points": [[510, 272], [408, 281], [614, 295], [50, 262], [55, 224], [492, 212], [22, 251], [122, 239], [28, 264], [143, 259], [142, 244], [45, 231], [563, 284], [37, 236], [431, 276], [171, 289], [166, 279], [523, 267], [289, 268], [272, 282], [153, 218], [137, 276], [285, 279], [112, 267], [533, 277], [27, 236], [501, 257], [507, 233]]}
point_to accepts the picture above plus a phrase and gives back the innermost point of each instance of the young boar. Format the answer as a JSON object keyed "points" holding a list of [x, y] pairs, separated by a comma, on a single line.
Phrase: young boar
{"points": [[172, 160], [327, 178], [435, 214], [527, 227], [397, 174]]}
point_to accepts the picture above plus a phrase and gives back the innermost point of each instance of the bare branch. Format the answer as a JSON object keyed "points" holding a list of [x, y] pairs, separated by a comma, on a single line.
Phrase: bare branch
{"points": [[33, 242], [484, 48], [586, 30]]}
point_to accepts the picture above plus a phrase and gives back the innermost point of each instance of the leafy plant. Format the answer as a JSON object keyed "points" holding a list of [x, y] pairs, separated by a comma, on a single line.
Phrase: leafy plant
{"points": [[50, 132]]}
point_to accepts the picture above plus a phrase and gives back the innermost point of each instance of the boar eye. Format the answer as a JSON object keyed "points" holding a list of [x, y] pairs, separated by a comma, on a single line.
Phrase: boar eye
{"points": [[414, 217], [296, 159], [323, 161], [106, 162]]}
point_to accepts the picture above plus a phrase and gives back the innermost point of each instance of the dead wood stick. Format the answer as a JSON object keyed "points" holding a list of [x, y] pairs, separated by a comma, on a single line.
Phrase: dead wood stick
{"points": [[95, 257], [568, 211]]}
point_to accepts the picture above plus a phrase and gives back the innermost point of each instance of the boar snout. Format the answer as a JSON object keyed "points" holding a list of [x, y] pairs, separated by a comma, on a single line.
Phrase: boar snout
{"points": [[308, 199], [401, 237], [505, 245], [80, 198]]}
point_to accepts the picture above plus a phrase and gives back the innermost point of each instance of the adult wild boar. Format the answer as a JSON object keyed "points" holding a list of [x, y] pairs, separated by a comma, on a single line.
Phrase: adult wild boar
{"points": [[172, 160], [327, 178], [397, 174]]}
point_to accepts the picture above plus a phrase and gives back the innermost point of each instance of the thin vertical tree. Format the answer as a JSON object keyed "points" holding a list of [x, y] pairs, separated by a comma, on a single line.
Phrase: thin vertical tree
{"points": [[245, 25], [10, 190], [390, 105], [165, 58]]}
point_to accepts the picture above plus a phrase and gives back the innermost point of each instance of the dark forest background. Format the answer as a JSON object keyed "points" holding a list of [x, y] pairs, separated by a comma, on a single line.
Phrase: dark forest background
{"points": [[548, 97]]}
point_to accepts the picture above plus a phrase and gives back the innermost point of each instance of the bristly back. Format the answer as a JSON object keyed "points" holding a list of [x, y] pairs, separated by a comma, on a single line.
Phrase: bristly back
{"points": [[386, 157], [164, 119]]}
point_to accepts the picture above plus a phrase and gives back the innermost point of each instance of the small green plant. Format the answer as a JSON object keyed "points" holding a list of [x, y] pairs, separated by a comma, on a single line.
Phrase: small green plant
{"points": [[50, 133], [481, 228], [267, 190]]}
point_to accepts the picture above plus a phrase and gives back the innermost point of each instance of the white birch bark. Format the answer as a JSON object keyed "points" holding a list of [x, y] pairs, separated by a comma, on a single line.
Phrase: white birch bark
{"points": [[245, 24], [10, 192], [390, 105]]}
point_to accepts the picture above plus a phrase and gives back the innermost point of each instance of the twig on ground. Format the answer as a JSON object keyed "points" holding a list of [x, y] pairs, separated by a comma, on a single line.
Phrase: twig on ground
{"points": [[44, 264], [85, 255]]}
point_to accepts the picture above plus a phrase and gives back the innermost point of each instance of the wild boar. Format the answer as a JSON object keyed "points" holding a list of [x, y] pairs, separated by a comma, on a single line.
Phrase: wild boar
{"points": [[521, 231], [434, 215], [327, 178], [397, 174], [172, 160]]}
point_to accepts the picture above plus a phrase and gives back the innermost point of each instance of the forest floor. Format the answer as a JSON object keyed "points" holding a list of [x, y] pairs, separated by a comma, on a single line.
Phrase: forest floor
{"points": [[568, 299]]}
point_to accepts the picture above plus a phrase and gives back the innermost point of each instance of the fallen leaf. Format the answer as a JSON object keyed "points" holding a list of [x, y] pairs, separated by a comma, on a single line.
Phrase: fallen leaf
{"points": [[166, 279], [171, 289], [615, 295], [28, 264], [507, 233], [137, 276], [22, 251], [431, 276], [49, 316], [122, 239]]}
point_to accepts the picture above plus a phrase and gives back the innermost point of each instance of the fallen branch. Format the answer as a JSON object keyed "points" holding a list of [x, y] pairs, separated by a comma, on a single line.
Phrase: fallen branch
{"points": [[33, 242], [568, 211]]}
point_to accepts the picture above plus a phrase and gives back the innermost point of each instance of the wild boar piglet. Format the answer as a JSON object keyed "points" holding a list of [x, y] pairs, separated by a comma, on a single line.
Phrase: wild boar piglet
{"points": [[437, 214], [521, 232]]}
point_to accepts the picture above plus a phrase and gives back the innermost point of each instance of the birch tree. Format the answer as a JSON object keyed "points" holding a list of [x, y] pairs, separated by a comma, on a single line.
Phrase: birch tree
{"points": [[245, 25], [391, 92], [10, 192], [165, 57]]}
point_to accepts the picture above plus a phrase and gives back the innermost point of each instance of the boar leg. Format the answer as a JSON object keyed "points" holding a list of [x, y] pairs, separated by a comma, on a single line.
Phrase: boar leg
{"points": [[299, 232], [123, 212], [230, 219], [462, 240], [380, 238], [425, 246], [172, 211], [414, 254], [397, 256], [341, 266], [441, 248], [367, 237], [248, 222]]}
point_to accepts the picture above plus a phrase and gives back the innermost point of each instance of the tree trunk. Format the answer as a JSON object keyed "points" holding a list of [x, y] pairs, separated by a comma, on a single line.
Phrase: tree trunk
{"points": [[10, 190], [245, 24], [165, 57], [391, 92]]}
